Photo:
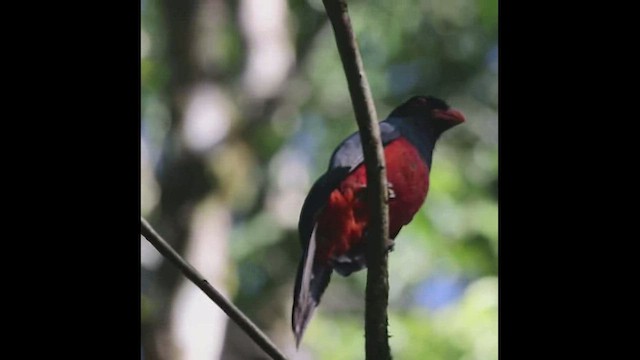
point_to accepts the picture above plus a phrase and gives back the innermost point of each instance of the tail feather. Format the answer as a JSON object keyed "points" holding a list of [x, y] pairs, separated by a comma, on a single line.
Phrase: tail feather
{"points": [[311, 281]]}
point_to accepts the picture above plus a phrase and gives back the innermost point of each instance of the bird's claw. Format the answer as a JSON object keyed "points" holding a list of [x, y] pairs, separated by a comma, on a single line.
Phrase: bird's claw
{"points": [[389, 244], [390, 192]]}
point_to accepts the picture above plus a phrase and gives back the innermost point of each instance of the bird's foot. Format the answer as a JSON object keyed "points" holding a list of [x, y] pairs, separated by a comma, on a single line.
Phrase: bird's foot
{"points": [[391, 194], [389, 244]]}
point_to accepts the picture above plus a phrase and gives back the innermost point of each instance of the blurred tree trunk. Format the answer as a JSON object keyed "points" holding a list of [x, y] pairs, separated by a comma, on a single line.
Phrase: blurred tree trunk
{"points": [[195, 208], [182, 174]]}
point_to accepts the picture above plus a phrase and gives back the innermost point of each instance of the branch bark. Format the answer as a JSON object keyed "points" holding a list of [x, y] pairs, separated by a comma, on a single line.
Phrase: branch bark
{"points": [[377, 293], [192, 274]]}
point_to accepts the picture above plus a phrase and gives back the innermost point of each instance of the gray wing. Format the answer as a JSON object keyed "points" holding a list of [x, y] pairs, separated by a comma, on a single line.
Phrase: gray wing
{"points": [[349, 152]]}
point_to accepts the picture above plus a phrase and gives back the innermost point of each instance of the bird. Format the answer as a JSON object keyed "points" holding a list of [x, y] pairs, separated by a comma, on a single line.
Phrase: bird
{"points": [[332, 226]]}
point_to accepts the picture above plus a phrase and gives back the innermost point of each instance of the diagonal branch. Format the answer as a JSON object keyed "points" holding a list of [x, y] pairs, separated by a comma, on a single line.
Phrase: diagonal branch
{"points": [[192, 274], [376, 335]]}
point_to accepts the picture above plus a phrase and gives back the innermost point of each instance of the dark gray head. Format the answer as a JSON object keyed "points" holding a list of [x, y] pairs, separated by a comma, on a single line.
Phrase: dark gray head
{"points": [[422, 119], [429, 112]]}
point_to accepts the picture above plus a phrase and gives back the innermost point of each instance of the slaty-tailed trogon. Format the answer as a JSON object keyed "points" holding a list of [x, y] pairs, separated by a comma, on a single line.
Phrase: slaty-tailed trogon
{"points": [[333, 220]]}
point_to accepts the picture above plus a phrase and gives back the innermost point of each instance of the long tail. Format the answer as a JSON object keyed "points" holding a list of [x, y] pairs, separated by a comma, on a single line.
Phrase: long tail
{"points": [[311, 281]]}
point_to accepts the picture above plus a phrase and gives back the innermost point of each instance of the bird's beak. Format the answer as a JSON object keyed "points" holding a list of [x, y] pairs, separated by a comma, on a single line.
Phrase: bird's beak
{"points": [[452, 116]]}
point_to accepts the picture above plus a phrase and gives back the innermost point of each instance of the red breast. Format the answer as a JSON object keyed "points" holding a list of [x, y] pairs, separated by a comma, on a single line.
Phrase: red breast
{"points": [[342, 222]]}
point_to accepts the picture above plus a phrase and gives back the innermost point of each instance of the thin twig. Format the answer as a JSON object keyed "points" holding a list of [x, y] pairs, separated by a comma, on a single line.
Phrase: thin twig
{"points": [[376, 333], [192, 274]]}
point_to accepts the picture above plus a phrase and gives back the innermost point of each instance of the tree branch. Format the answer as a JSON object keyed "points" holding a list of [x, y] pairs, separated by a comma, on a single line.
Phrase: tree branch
{"points": [[192, 274], [377, 297]]}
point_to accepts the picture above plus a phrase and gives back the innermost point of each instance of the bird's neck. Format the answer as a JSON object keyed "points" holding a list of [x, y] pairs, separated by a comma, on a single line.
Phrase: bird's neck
{"points": [[420, 135]]}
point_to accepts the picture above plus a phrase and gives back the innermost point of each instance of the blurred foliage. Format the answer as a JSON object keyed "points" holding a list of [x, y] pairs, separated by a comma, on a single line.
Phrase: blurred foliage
{"points": [[443, 271]]}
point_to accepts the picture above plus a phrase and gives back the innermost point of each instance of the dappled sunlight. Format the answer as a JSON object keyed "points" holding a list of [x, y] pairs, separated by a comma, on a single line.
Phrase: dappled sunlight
{"points": [[207, 118], [270, 54]]}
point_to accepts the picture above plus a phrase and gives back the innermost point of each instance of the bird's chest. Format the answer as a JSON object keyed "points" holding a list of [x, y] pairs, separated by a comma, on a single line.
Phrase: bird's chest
{"points": [[342, 223], [408, 178]]}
